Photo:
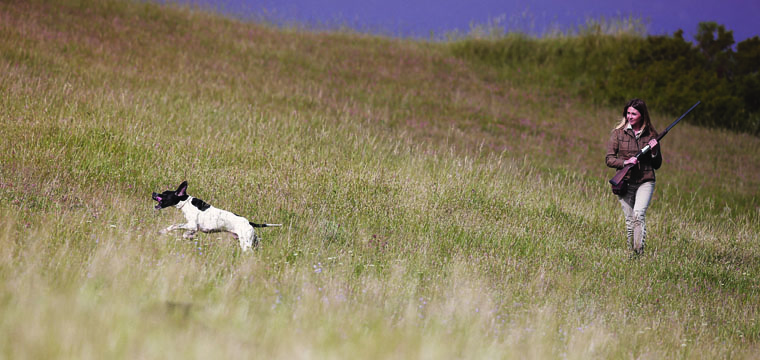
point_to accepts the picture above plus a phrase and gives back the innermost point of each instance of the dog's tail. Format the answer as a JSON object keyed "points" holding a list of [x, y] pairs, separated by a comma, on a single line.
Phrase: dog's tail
{"points": [[264, 225]]}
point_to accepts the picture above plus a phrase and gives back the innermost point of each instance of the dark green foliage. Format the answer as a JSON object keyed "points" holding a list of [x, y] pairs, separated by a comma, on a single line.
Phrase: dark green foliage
{"points": [[670, 73], [748, 56], [715, 44], [747, 81]]}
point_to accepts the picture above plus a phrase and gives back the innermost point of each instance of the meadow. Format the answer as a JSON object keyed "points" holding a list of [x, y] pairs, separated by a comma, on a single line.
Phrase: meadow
{"points": [[432, 207]]}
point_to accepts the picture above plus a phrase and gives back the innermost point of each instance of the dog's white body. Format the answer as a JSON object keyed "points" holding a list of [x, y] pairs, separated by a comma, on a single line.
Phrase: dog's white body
{"points": [[206, 218], [214, 220]]}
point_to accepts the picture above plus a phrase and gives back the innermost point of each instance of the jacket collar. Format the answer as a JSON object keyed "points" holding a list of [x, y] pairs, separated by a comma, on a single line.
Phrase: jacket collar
{"points": [[637, 134]]}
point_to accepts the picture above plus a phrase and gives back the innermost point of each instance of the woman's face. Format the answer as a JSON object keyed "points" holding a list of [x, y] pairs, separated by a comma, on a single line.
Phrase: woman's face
{"points": [[634, 117]]}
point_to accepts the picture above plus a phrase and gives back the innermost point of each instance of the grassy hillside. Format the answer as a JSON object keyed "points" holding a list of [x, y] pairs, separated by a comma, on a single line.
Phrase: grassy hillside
{"points": [[606, 61], [431, 208]]}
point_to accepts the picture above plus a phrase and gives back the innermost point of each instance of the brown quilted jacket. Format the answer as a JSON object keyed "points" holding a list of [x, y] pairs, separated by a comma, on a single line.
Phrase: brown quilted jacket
{"points": [[623, 145]]}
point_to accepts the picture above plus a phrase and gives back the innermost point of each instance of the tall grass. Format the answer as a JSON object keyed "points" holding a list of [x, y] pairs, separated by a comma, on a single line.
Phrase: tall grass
{"points": [[575, 60], [606, 61], [430, 209]]}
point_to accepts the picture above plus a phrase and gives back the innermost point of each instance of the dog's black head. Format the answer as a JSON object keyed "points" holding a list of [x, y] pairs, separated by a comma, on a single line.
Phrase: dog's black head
{"points": [[171, 197]]}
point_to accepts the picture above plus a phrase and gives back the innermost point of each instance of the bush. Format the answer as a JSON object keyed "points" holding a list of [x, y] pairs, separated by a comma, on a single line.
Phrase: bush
{"points": [[670, 73]]}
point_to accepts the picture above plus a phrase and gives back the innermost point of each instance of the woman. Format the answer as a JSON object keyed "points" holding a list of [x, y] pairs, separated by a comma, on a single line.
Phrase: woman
{"points": [[634, 132]]}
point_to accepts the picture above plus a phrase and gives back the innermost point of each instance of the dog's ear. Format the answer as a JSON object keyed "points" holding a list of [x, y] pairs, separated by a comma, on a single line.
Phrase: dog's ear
{"points": [[182, 189]]}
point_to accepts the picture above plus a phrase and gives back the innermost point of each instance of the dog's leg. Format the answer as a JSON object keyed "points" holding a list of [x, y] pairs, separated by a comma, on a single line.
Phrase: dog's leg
{"points": [[246, 239], [168, 229], [189, 227], [189, 234], [255, 240]]}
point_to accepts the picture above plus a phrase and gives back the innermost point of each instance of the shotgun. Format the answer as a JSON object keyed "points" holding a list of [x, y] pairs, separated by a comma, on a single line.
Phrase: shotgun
{"points": [[620, 174]]}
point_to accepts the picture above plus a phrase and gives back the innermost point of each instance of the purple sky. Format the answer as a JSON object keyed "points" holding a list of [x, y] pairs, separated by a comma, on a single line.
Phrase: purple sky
{"points": [[418, 18]]}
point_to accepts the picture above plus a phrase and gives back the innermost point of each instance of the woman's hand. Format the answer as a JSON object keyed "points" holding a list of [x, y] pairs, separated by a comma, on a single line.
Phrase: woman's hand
{"points": [[632, 160], [652, 143]]}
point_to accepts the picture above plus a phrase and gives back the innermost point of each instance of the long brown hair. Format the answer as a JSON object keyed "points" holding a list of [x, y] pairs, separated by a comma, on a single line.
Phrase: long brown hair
{"points": [[641, 106]]}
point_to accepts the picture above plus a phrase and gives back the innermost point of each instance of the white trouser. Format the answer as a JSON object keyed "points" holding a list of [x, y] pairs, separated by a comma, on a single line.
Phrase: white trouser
{"points": [[635, 203]]}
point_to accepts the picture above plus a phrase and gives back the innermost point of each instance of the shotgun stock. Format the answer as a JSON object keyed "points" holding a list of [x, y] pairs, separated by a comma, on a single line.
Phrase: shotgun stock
{"points": [[620, 174]]}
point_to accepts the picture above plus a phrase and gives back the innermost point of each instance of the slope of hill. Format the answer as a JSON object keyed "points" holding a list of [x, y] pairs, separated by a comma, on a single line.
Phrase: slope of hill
{"points": [[431, 208]]}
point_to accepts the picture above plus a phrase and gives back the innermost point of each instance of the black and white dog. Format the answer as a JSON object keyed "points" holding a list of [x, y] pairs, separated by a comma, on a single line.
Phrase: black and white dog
{"points": [[206, 218]]}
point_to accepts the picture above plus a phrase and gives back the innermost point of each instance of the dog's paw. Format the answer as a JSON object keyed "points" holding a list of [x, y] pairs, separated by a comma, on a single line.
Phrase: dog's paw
{"points": [[189, 235]]}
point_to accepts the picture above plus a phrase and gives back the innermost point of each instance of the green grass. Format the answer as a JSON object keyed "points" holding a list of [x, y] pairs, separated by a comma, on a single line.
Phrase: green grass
{"points": [[431, 209]]}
